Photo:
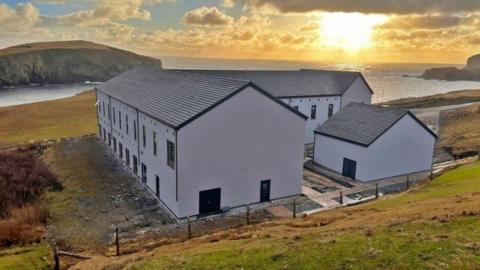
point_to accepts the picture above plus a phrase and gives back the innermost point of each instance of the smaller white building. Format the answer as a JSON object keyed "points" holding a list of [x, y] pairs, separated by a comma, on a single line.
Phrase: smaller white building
{"points": [[367, 142]]}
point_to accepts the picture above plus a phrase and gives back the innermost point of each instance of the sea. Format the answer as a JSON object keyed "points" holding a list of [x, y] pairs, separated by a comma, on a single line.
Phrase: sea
{"points": [[388, 81]]}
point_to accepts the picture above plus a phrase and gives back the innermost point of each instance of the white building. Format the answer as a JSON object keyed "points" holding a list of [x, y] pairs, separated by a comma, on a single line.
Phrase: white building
{"points": [[202, 143], [319, 94], [367, 142]]}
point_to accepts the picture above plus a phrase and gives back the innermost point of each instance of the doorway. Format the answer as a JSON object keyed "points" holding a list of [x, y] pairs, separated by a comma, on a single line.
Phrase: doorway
{"points": [[349, 168], [209, 201], [265, 191]]}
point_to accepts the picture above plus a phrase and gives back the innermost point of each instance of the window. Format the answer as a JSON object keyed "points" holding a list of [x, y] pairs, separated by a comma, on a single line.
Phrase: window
{"points": [[109, 112], [171, 154], [114, 115], [120, 119], [109, 139], [157, 186], [313, 112], [144, 136], [100, 130], [99, 108], [330, 110], [104, 135], [103, 105], [127, 157], [126, 122], [295, 108], [134, 130], [135, 165], [120, 149], [144, 173], [114, 144], [154, 143]]}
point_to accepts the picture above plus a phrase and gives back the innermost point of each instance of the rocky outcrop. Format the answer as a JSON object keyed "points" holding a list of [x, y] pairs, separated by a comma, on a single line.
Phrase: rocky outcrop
{"points": [[66, 62], [471, 72]]}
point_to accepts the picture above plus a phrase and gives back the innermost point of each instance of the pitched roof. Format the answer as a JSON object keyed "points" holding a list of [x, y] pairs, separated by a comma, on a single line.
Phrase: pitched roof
{"points": [[293, 83], [362, 124], [174, 97]]}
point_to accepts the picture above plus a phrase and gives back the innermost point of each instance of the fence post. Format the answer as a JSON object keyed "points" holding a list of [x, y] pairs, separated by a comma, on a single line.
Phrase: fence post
{"points": [[189, 228], [341, 197], [408, 182], [294, 208], [117, 241], [56, 258], [431, 173], [376, 190], [248, 214]]}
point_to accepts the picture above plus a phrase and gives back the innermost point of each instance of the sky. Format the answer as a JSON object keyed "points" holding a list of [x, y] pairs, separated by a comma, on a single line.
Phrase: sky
{"points": [[338, 31]]}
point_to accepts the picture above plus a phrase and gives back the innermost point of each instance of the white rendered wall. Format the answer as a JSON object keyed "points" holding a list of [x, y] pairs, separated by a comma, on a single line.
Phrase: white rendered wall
{"points": [[357, 92], [156, 164], [305, 105], [405, 148], [246, 139]]}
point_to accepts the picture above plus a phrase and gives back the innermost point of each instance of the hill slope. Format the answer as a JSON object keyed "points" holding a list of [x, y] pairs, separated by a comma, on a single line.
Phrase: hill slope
{"points": [[65, 62], [431, 227]]}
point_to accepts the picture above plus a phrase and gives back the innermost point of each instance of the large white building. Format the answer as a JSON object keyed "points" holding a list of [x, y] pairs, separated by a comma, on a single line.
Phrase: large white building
{"points": [[319, 94], [367, 142], [202, 143]]}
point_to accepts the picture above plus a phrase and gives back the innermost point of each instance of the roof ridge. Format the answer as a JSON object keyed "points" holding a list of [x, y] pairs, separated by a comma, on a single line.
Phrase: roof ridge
{"points": [[206, 75]]}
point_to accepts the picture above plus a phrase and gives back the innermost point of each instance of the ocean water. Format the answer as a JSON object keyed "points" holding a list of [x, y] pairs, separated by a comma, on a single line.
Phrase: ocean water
{"points": [[34, 93], [388, 81]]}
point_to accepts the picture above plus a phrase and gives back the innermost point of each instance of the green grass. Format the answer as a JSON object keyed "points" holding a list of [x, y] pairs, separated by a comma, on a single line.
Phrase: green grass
{"points": [[423, 243], [36, 257], [462, 180], [413, 246], [54, 119]]}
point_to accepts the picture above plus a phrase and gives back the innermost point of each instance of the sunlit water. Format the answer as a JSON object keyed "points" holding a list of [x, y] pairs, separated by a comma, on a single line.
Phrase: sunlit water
{"points": [[387, 80]]}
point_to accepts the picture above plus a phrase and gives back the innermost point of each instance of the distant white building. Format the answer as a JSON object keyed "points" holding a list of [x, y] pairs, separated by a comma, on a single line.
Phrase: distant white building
{"points": [[318, 94], [202, 143], [367, 142]]}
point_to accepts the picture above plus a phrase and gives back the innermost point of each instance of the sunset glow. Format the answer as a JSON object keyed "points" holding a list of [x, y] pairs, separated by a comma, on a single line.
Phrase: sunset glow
{"points": [[350, 32]]}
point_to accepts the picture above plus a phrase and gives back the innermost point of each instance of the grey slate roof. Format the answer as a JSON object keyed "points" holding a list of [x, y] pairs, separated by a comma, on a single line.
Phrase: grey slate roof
{"points": [[174, 97], [363, 124], [292, 83]]}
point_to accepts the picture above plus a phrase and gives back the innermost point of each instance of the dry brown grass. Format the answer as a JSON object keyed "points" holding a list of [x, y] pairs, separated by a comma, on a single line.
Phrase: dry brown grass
{"points": [[450, 98], [24, 225], [54, 119], [460, 130], [72, 44]]}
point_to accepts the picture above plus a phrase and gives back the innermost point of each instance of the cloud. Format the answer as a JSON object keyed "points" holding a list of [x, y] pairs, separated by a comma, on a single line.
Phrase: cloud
{"points": [[365, 6], [104, 12], [243, 36], [427, 21], [22, 19], [209, 16], [311, 26]]}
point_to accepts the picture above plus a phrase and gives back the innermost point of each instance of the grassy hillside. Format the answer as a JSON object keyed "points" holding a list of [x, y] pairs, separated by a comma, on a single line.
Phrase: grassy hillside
{"points": [[35, 257], [433, 227], [451, 98], [66, 61], [74, 116]]}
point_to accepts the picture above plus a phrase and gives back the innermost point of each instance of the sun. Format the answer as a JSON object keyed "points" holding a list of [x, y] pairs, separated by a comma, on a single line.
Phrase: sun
{"points": [[348, 31]]}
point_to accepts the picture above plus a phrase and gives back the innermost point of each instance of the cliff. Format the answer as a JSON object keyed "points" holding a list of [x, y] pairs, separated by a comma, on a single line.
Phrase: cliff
{"points": [[66, 62], [471, 72]]}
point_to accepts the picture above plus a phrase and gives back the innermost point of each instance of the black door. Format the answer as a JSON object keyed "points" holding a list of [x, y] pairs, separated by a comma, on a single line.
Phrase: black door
{"points": [[349, 168], [265, 190], [209, 201], [157, 186], [135, 164]]}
